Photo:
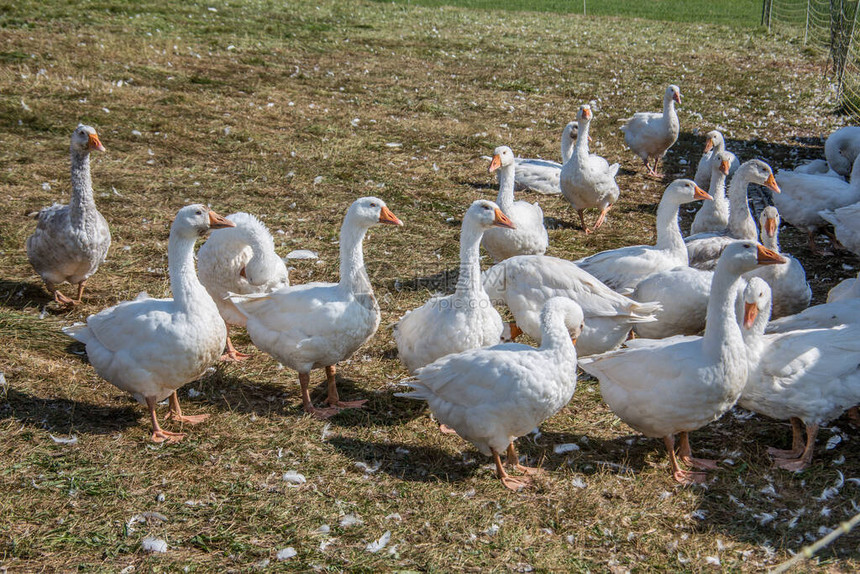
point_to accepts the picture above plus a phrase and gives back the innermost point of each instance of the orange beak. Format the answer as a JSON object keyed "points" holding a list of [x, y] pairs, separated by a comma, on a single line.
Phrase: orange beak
{"points": [[95, 143], [218, 222], [724, 167], [769, 256], [701, 194], [586, 114], [385, 216], [515, 330], [503, 220], [770, 227], [677, 97], [709, 145], [573, 340], [589, 139], [495, 164], [771, 184], [750, 313]]}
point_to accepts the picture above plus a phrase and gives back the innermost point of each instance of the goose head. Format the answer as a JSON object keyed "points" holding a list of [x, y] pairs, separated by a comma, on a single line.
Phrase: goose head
{"points": [[365, 212], [85, 139], [673, 92], [769, 222], [574, 318], [715, 140], [743, 256], [197, 219], [485, 214], [570, 132], [722, 162], [503, 156], [583, 114], [757, 171], [683, 191], [757, 299]]}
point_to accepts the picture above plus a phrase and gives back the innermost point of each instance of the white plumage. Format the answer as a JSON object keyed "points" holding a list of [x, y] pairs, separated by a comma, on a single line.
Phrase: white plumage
{"points": [[651, 134], [841, 149], [846, 225], [714, 144], [713, 216], [846, 289], [542, 175]]}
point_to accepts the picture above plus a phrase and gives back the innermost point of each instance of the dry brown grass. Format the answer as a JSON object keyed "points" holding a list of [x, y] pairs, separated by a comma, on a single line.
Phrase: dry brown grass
{"points": [[449, 85]]}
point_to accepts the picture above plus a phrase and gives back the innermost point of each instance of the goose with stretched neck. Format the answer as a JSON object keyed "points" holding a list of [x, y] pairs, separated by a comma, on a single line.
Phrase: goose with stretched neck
{"points": [[240, 259], [622, 269], [317, 325], [587, 180], [713, 216], [528, 236], [465, 319], [704, 249], [71, 241], [714, 145], [151, 347], [492, 396], [689, 382], [542, 175], [651, 134]]}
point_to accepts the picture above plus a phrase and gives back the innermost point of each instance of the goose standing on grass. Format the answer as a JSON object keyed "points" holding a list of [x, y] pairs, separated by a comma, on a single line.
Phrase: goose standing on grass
{"points": [[846, 225], [808, 377], [621, 269], [241, 260], [841, 149], [151, 347], [704, 248], [651, 134], [678, 386], [71, 241], [528, 236], [804, 196], [527, 282], [790, 292], [320, 324], [714, 145], [587, 180], [493, 396], [541, 175], [713, 216], [461, 321]]}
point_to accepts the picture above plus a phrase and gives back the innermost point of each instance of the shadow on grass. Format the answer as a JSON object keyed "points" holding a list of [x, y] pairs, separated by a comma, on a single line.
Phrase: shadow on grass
{"points": [[22, 295], [66, 414]]}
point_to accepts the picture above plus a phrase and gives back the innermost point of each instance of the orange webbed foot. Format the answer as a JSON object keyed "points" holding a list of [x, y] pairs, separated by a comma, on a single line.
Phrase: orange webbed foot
{"points": [[700, 463], [234, 356], [792, 464], [515, 483], [322, 414], [529, 470], [190, 419], [785, 453], [348, 404], [687, 477], [445, 429], [160, 436], [63, 300]]}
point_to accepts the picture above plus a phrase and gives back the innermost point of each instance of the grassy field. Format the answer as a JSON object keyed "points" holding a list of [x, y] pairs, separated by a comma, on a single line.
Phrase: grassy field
{"points": [[291, 111]]}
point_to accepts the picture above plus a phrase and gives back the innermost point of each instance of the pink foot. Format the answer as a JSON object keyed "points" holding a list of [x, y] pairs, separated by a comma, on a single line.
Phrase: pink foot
{"points": [[163, 435], [234, 356], [784, 454], [687, 477], [516, 483], [445, 429], [322, 414], [190, 419], [530, 470], [700, 463], [792, 464], [348, 404]]}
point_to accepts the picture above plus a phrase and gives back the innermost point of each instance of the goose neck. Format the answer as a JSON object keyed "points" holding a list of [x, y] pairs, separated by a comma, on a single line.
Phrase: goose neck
{"points": [[722, 332], [741, 223], [469, 279], [566, 147], [581, 145], [668, 233], [81, 204], [353, 275], [505, 199], [717, 188], [554, 334], [186, 287]]}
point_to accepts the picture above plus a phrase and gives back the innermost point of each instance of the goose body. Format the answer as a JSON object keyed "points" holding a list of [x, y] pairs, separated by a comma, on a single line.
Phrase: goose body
{"points": [[463, 320], [320, 324], [692, 381], [493, 395], [151, 347], [528, 236], [651, 134], [704, 249], [713, 216], [527, 282], [818, 167], [541, 175], [622, 269], [71, 241], [714, 144], [841, 312], [847, 289], [683, 294], [587, 180], [841, 149], [846, 225]]}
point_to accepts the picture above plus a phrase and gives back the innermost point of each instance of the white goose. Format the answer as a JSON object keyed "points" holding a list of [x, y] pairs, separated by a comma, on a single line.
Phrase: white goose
{"points": [[682, 293], [690, 382], [621, 269], [844, 311], [71, 241], [804, 196], [528, 236], [527, 282], [461, 321], [714, 144], [541, 175], [847, 289], [841, 148], [818, 167], [242, 260], [704, 248], [713, 216], [587, 180], [791, 292], [651, 134], [809, 377], [151, 347], [846, 225], [492, 396], [320, 324]]}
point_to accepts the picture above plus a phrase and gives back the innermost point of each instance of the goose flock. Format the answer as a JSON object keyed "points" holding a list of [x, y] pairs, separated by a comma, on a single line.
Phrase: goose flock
{"points": [[677, 332]]}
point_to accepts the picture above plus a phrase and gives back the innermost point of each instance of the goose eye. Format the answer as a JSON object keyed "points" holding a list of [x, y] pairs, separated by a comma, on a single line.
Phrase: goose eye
{"points": [[199, 212], [485, 207], [372, 205]]}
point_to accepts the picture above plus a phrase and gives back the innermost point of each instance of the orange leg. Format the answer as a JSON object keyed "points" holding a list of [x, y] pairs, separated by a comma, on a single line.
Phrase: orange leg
{"points": [[80, 291], [513, 483], [685, 477], [304, 382], [333, 398], [175, 413], [158, 434], [61, 299], [797, 446], [513, 461], [686, 455], [445, 429], [232, 355], [805, 458], [814, 246], [585, 228], [601, 217]]}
